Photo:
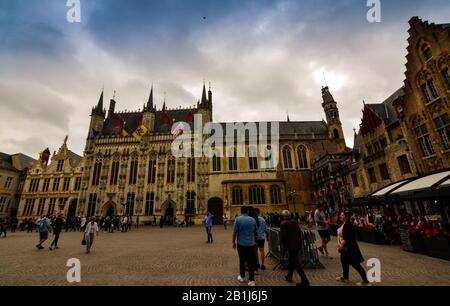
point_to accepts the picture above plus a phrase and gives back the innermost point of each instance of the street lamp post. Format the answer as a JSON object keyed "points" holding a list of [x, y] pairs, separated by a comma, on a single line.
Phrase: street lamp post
{"points": [[291, 197]]}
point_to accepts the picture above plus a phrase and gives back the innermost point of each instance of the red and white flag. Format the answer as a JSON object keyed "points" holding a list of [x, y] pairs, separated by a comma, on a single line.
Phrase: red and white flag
{"points": [[177, 129]]}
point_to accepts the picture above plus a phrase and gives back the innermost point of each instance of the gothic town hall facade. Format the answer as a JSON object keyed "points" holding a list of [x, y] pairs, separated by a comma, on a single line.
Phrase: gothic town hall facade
{"points": [[120, 173]]}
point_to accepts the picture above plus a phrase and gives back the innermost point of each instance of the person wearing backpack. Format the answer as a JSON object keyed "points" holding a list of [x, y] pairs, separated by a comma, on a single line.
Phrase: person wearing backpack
{"points": [[44, 228]]}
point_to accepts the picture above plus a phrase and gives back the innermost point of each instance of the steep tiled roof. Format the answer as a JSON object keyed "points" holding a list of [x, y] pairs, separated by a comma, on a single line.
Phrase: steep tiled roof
{"points": [[74, 156]]}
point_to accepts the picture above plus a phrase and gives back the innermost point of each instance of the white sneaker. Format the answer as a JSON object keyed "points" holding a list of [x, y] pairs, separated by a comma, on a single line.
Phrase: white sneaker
{"points": [[240, 279], [251, 284]]}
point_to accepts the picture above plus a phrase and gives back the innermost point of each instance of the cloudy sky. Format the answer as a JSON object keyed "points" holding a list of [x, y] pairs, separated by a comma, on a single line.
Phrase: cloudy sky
{"points": [[264, 59]]}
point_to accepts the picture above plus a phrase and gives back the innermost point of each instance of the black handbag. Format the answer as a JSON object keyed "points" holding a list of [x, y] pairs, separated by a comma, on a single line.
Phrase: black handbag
{"points": [[83, 242]]}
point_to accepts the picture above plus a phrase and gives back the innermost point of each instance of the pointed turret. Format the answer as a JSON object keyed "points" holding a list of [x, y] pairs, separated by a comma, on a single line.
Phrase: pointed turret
{"points": [[204, 100], [98, 110], [149, 107]]}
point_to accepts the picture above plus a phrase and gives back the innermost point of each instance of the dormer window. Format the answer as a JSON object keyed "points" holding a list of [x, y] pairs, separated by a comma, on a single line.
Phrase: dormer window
{"points": [[427, 54], [60, 166]]}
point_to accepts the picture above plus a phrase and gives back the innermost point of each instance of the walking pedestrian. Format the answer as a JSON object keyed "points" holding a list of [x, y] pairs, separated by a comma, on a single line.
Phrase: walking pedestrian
{"points": [[225, 221], [349, 250], [208, 225], [290, 236], [2, 228], [322, 229], [245, 232], [14, 223], [90, 233], [261, 239], [44, 228], [57, 227]]}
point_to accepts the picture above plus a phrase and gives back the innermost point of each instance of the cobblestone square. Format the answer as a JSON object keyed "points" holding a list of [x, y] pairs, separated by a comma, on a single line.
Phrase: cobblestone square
{"points": [[180, 256]]}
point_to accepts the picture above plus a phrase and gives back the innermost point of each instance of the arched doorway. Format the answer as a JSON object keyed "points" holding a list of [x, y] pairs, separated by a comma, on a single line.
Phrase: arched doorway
{"points": [[168, 211], [215, 207], [71, 212], [109, 209]]}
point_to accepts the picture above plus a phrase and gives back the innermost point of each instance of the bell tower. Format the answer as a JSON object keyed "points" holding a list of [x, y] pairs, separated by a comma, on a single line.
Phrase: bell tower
{"points": [[329, 105]]}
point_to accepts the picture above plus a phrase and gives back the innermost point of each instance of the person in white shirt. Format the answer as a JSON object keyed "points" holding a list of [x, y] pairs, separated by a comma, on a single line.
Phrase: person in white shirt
{"points": [[90, 233], [83, 223]]}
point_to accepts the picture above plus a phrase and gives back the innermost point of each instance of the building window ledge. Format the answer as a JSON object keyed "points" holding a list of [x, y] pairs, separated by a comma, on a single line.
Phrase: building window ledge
{"points": [[432, 101], [429, 157]]}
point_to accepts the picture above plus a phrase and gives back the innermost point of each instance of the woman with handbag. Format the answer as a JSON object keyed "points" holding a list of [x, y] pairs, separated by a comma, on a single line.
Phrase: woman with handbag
{"points": [[349, 250], [90, 233]]}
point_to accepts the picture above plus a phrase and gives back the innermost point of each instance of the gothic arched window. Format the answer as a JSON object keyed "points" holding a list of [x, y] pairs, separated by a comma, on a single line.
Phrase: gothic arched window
{"points": [[302, 155], [287, 157]]}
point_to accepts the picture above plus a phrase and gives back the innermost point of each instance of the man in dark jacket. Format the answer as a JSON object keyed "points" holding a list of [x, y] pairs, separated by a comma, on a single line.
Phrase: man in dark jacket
{"points": [[57, 227], [290, 235]]}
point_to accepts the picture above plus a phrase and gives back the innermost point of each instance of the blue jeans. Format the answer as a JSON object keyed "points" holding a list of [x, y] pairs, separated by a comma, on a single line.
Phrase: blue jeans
{"points": [[208, 233]]}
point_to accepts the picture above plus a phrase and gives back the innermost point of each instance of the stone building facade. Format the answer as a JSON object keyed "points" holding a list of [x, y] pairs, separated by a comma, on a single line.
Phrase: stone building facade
{"points": [[140, 176], [425, 109], [13, 172], [52, 185]]}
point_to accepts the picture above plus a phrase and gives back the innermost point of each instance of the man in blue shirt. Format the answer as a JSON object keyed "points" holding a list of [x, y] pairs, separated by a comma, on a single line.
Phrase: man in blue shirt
{"points": [[44, 228], [208, 225], [245, 232], [261, 240]]}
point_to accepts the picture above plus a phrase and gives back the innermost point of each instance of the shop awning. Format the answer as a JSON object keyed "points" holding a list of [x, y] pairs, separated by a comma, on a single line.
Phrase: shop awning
{"points": [[422, 183], [385, 190], [431, 186]]}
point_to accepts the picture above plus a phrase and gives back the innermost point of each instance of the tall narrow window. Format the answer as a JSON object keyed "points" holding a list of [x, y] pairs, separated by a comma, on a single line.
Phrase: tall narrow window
{"points": [[446, 75], [66, 183], [133, 172], [275, 194], [355, 180], [77, 184], [424, 141], [384, 171], [302, 156], [129, 208], [149, 203], [60, 165], [9, 182], [56, 184], [433, 89], [41, 206], [256, 195], [287, 158], [372, 175], [427, 54], [51, 206], [216, 163], [252, 159], [232, 160], [114, 173], [171, 170], [152, 171], [404, 164], [92, 204], [29, 206], [426, 93], [46, 185], [442, 124], [237, 196], [191, 169], [96, 174], [190, 203], [268, 157]]}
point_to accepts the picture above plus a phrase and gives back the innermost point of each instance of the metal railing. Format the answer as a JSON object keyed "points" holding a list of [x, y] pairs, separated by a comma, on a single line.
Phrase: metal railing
{"points": [[309, 257]]}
